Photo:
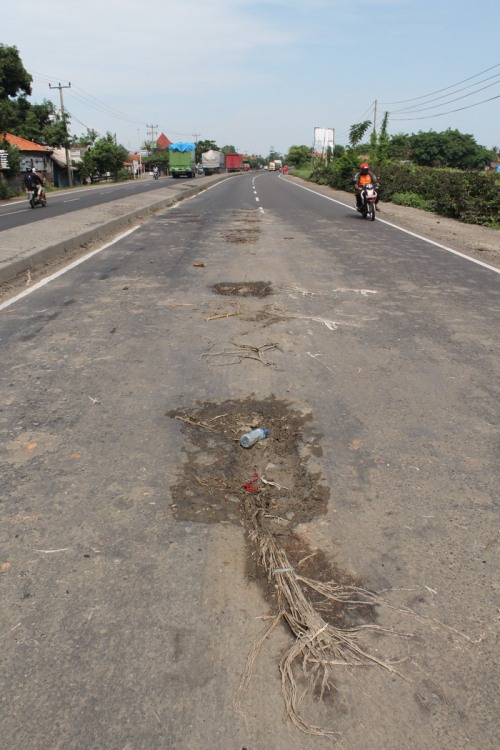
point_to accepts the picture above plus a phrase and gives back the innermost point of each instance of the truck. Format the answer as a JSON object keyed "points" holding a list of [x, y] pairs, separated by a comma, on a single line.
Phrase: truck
{"points": [[272, 166], [182, 161], [213, 162], [234, 162]]}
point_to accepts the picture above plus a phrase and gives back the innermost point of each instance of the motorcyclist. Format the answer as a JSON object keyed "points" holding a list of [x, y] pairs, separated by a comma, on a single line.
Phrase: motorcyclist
{"points": [[364, 177], [34, 182], [27, 179], [156, 172]]}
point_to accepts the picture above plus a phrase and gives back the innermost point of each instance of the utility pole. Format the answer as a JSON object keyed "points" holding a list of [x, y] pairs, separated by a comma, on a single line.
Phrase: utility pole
{"points": [[153, 130], [196, 136], [375, 116], [68, 165]]}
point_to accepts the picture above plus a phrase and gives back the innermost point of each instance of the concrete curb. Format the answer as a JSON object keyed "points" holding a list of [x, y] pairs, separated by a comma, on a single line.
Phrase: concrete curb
{"points": [[33, 259]]}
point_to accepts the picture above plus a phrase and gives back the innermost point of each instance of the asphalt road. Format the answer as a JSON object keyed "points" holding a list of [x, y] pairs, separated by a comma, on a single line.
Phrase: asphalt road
{"points": [[128, 582], [19, 213]]}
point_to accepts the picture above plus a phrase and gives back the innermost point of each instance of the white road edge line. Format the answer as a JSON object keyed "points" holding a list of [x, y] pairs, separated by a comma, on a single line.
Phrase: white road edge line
{"points": [[406, 231], [64, 270], [75, 263]]}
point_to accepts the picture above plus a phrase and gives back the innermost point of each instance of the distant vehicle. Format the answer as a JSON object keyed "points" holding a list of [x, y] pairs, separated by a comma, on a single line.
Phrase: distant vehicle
{"points": [[272, 166], [278, 164], [234, 163], [213, 162], [182, 160]]}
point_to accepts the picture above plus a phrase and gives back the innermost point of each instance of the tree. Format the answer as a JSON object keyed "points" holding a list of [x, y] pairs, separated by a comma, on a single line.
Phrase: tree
{"points": [[105, 156], [399, 147], [298, 156], [14, 78], [448, 149], [228, 150], [382, 147], [159, 159], [88, 139], [357, 131], [273, 154], [34, 118], [15, 84]]}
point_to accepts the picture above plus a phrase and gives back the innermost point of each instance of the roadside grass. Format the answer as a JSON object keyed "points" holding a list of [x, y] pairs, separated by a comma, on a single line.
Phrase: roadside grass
{"points": [[304, 173], [413, 200]]}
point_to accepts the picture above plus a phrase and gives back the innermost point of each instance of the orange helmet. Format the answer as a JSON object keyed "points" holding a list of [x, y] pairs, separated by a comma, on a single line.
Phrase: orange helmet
{"points": [[364, 168]]}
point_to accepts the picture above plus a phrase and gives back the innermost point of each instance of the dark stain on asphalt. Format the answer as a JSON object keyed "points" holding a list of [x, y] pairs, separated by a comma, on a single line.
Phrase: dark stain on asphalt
{"points": [[243, 288], [218, 474]]}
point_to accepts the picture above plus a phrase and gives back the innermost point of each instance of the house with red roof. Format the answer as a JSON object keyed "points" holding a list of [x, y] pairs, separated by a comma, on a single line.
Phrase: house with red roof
{"points": [[162, 143], [32, 155]]}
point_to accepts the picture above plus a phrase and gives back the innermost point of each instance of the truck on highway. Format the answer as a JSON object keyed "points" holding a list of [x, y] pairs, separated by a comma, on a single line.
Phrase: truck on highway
{"points": [[213, 162], [234, 162], [182, 162]]}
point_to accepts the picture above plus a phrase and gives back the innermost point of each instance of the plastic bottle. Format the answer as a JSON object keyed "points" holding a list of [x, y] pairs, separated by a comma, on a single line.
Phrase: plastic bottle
{"points": [[250, 438]]}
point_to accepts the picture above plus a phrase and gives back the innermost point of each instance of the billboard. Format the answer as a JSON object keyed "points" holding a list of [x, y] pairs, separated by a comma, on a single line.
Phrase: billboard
{"points": [[323, 140]]}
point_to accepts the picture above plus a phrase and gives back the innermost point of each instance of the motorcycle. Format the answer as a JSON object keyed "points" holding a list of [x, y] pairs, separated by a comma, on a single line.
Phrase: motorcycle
{"points": [[37, 199], [156, 174], [368, 199]]}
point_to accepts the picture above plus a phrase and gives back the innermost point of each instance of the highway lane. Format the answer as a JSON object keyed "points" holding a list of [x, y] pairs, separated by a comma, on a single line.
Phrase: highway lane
{"points": [[132, 595], [19, 213]]}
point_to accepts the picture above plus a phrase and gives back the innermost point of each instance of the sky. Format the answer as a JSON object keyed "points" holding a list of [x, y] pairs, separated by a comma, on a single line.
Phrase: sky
{"points": [[261, 75]]}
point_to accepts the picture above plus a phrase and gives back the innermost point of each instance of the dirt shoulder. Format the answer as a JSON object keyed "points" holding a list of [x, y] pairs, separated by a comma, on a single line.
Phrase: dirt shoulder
{"points": [[478, 242]]}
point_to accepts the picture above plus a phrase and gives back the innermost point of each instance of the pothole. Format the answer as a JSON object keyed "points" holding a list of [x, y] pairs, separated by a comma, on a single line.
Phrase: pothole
{"points": [[243, 288]]}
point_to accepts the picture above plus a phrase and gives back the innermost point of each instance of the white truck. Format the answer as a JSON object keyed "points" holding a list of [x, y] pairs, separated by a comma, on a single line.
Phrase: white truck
{"points": [[213, 162]]}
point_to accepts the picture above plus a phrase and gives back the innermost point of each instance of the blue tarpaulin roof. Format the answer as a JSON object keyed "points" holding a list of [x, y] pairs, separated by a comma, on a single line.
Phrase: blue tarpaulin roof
{"points": [[180, 146]]}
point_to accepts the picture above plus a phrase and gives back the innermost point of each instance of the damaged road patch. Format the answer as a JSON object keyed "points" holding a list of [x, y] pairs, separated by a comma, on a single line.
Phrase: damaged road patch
{"points": [[270, 489], [243, 288]]}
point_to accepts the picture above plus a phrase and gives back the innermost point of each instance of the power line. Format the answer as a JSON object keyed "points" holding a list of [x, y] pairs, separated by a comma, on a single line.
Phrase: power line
{"points": [[439, 114], [91, 101], [87, 100], [445, 96], [73, 117], [445, 104], [424, 96]]}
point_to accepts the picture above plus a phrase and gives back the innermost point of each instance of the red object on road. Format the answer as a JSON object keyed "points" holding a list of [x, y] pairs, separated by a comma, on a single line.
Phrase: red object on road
{"points": [[248, 485]]}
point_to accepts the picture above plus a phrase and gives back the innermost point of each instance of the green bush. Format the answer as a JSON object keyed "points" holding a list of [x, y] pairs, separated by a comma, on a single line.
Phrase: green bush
{"points": [[471, 196]]}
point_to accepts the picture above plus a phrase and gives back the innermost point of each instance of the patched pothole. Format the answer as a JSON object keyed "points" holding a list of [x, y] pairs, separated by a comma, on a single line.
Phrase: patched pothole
{"points": [[211, 485], [239, 236], [243, 288]]}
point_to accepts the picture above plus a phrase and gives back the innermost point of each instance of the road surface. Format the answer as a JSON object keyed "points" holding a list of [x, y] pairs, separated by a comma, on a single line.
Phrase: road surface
{"points": [[19, 213], [131, 585]]}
